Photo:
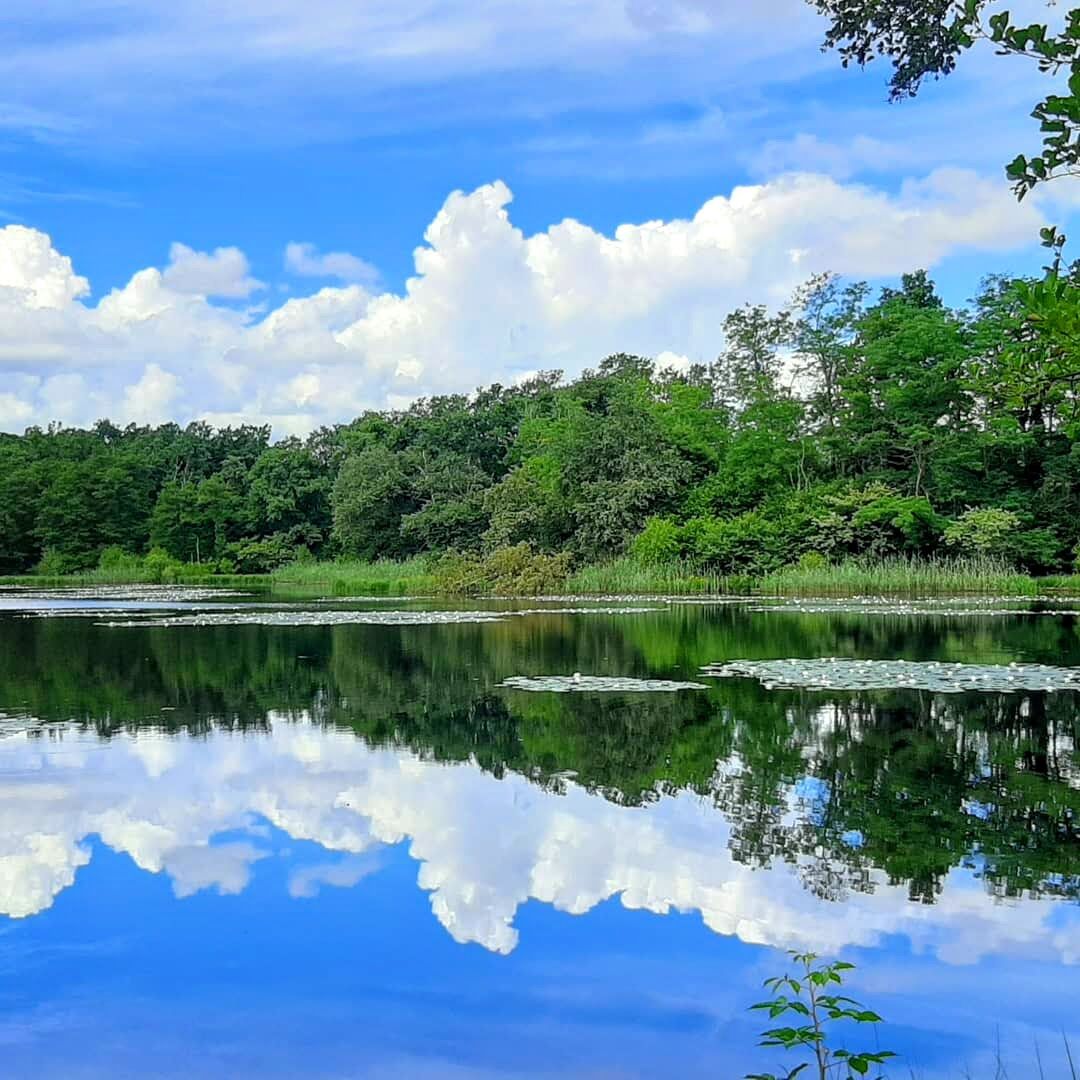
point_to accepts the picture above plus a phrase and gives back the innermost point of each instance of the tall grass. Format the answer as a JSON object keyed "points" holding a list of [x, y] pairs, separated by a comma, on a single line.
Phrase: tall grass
{"points": [[905, 576], [346, 577], [130, 576], [628, 575], [901, 576], [625, 576], [1061, 583]]}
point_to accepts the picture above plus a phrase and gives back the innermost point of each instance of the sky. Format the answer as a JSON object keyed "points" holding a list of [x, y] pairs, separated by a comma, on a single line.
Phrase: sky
{"points": [[290, 212]]}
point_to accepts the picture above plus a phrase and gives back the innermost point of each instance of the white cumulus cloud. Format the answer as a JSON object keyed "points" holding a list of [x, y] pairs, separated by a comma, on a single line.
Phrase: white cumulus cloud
{"points": [[222, 272], [148, 400], [487, 302], [306, 260]]}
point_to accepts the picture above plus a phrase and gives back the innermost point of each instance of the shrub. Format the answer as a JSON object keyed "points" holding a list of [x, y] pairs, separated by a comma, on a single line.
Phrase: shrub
{"points": [[114, 558], [51, 564], [1001, 534], [811, 561], [748, 544], [1036, 550], [875, 521], [658, 542], [982, 531], [263, 556], [509, 571], [160, 567]]}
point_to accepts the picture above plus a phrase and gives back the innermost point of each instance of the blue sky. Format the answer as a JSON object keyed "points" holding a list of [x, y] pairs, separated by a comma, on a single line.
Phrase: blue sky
{"points": [[168, 155]]}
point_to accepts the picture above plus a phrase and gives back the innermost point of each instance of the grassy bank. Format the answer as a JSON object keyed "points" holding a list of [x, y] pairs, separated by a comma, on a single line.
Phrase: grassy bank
{"points": [[421, 576], [92, 578], [384, 577], [906, 577], [628, 576], [900, 577]]}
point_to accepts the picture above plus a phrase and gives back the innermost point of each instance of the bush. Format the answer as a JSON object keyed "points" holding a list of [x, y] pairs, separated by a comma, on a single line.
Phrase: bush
{"points": [[747, 544], [1036, 550], [810, 561], [507, 571], [114, 558], [658, 542], [264, 556], [874, 521], [1001, 534], [52, 564], [983, 531], [160, 567]]}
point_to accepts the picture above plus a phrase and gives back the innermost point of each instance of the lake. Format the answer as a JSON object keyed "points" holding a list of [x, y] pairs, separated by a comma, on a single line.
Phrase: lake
{"points": [[268, 836]]}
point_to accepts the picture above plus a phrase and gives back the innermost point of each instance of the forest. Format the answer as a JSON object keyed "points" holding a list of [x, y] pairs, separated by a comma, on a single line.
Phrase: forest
{"points": [[848, 425]]}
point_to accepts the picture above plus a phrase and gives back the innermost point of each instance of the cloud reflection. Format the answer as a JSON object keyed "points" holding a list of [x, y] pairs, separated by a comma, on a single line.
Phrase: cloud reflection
{"points": [[193, 809]]}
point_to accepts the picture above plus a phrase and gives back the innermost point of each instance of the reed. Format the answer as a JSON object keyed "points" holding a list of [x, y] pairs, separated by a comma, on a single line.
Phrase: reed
{"points": [[346, 577], [901, 576], [627, 576]]}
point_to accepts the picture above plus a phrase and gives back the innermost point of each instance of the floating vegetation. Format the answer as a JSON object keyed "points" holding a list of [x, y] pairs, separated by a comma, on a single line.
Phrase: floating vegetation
{"points": [[631, 598], [834, 673], [167, 594], [581, 598], [578, 683], [712, 601], [322, 617], [275, 616], [368, 599], [884, 605], [586, 611]]}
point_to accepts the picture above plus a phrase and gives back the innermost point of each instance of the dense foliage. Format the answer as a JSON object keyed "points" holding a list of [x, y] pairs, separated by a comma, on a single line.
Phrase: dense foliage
{"points": [[846, 425]]}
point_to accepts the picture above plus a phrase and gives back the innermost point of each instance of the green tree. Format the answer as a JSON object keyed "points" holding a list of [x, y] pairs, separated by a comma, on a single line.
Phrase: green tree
{"points": [[371, 496], [287, 488], [451, 491]]}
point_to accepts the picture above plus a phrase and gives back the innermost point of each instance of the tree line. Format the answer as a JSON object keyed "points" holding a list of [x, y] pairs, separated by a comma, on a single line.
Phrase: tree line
{"points": [[845, 425]]}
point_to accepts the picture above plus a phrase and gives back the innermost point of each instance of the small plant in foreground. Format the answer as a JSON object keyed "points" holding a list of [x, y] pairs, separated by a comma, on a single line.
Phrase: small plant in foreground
{"points": [[806, 995]]}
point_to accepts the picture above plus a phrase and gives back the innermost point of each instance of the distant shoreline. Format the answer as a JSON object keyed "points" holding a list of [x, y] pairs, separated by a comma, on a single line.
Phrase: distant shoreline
{"points": [[427, 577]]}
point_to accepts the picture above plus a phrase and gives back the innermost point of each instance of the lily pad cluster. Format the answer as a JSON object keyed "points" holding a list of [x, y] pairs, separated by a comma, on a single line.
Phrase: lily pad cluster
{"points": [[155, 593], [837, 673], [951, 607], [321, 617], [270, 615], [569, 684]]}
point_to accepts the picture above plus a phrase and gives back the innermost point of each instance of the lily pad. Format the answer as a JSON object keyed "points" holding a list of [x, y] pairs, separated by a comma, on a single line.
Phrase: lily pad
{"points": [[570, 684], [835, 673]]}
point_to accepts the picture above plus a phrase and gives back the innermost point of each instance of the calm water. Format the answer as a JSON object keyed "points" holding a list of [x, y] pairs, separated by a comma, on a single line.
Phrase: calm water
{"points": [[249, 840]]}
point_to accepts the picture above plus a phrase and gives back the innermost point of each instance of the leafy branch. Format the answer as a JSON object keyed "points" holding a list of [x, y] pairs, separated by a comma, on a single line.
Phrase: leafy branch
{"points": [[807, 995], [924, 39]]}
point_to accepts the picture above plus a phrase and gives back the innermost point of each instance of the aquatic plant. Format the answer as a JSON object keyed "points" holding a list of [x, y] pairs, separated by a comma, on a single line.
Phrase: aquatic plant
{"points": [[578, 683], [632, 575], [355, 577], [837, 673], [807, 996], [902, 575]]}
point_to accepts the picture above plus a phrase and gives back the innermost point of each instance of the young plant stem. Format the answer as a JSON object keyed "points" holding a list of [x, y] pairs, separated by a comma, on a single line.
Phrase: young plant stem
{"points": [[820, 1051]]}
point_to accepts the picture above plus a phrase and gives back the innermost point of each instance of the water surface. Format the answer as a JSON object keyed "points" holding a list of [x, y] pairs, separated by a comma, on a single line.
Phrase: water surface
{"points": [[253, 837]]}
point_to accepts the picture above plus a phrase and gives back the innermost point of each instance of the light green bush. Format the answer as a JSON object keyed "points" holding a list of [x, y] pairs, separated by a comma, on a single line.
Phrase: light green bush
{"points": [[659, 542], [507, 571]]}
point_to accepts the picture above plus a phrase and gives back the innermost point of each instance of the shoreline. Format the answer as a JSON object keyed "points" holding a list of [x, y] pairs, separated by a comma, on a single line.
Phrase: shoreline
{"points": [[624, 577]]}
